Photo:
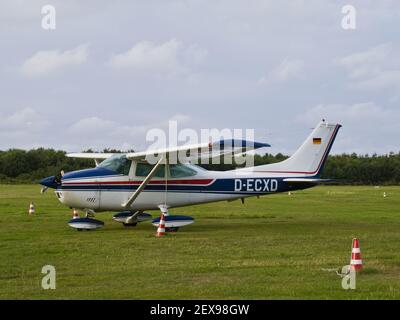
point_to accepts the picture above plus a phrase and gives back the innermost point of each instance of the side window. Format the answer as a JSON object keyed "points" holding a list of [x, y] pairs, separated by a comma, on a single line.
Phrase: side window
{"points": [[180, 171], [143, 170]]}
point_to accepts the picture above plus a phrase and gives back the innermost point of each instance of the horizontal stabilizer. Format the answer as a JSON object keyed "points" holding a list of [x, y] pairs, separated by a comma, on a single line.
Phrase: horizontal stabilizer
{"points": [[307, 180]]}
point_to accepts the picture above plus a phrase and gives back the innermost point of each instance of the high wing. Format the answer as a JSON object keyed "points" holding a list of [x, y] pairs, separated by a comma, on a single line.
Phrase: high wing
{"points": [[202, 150], [85, 155], [210, 150]]}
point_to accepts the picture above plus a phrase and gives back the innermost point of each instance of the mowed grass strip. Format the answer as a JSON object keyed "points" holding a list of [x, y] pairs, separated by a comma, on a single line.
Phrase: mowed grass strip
{"points": [[275, 247]]}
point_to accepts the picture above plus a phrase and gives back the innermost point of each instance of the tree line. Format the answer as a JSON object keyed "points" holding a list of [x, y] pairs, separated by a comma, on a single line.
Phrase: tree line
{"points": [[21, 166]]}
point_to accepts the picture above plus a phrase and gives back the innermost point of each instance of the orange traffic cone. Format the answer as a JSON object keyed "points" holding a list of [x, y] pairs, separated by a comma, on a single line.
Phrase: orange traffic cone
{"points": [[356, 262], [75, 214], [31, 208], [161, 226]]}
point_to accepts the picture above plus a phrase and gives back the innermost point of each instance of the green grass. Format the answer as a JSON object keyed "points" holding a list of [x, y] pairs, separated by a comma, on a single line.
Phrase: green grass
{"points": [[274, 247]]}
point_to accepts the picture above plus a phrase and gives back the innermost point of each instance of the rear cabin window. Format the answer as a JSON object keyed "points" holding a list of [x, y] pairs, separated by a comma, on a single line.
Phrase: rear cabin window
{"points": [[181, 171], [175, 170]]}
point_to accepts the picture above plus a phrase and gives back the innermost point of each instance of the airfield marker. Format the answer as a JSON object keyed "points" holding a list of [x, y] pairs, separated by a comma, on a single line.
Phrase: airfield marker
{"points": [[31, 208], [161, 226], [355, 261]]}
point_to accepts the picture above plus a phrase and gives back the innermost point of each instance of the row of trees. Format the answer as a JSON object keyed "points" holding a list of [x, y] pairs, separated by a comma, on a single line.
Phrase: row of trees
{"points": [[22, 166], [33, 165]]}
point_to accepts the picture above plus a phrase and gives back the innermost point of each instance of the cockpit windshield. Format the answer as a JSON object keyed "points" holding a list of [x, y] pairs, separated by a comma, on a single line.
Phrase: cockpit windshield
{"points": [[118, 163]]}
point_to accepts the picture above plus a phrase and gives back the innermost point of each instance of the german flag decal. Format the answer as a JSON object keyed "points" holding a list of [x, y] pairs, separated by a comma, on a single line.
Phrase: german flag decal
{"points": [[316, 140]]}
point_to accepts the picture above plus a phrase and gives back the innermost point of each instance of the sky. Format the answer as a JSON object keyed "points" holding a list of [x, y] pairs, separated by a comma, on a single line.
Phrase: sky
{"points": [[111, 71]]}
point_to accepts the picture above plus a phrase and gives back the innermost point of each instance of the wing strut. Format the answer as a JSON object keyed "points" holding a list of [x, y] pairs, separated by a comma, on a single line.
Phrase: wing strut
{"points": [[143, 184]]}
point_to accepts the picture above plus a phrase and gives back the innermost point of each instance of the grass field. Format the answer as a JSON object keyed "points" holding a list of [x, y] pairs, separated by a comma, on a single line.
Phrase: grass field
{"points": [[275, 247]]}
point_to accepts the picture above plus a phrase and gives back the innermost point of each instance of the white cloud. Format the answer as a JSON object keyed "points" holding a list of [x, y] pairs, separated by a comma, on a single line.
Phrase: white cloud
{"points": [[180, 118], [44, 63], [384, 79], [25, 120], [98, 133], [168, 58], [22, 129], [91, 124], [359, 112], [367, 127], [285, 71], [373, 69], [372, 56]]}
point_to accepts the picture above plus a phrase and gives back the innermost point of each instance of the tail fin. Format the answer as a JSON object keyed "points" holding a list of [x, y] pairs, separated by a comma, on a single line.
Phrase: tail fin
{"points": [[310, 158]]}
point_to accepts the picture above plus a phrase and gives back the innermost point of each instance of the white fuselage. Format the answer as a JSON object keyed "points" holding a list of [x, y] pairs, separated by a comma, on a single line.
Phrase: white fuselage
{"points": [[109, 193]]}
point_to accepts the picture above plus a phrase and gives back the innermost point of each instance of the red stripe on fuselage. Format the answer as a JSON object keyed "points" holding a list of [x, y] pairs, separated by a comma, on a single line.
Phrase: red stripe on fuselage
{"points": [[138, 182]]}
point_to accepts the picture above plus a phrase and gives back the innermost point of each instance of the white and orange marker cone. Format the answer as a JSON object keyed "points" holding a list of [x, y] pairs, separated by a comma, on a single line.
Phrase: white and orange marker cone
{"points": [[356, 262], [161, 226], [75, 214], [31, 208]]}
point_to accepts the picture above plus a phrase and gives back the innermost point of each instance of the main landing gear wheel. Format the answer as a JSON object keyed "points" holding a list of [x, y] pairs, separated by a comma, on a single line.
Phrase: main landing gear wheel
{"points": [[172, 223]]}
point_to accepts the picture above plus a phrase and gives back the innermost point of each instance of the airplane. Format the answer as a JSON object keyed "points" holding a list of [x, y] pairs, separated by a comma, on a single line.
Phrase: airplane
{"points": [[129, 184]]}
